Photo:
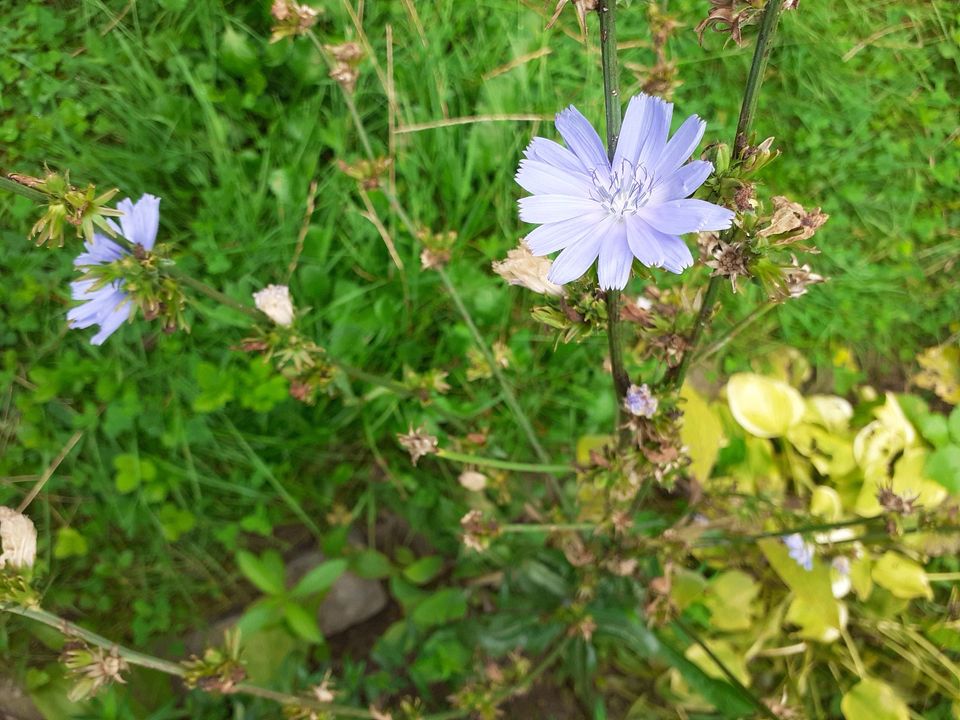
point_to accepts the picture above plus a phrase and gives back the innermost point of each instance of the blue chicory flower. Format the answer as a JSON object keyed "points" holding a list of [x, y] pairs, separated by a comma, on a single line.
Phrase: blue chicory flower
{"points": [[799, 550], [109, 306], [639, 401], [636, 205]]}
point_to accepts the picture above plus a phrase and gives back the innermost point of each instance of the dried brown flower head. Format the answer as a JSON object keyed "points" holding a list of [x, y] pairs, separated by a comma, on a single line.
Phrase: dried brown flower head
{"points": [[727, 259], [346, 57], [92, 668], [790, 223], [730, 16], [898, 504], [582, 7], [478, 532], [418, 443], [797, 278], [292, 19]]}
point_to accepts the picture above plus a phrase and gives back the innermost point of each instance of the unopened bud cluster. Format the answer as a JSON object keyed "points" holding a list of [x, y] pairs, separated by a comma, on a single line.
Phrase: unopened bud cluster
{"points": [[68, 206]]}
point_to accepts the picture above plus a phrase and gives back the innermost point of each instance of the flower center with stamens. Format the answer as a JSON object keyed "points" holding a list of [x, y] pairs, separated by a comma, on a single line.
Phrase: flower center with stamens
{"points": [[626, 191]]}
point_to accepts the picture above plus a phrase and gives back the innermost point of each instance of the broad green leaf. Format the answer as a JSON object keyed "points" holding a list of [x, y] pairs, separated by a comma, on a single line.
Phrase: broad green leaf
{"points": [[954, 424], [861, 578], [131, 471], [730, 598], [762, 406], [817, 620], [934, 429], [442, 607], [686, 587], [904, 578], [702, 433], [816, 609], [871, 699], [423, 570], [943, 467], [303, 622], [266, 571], [371, 565], [261, 614], [320, 578], [831, 454]]}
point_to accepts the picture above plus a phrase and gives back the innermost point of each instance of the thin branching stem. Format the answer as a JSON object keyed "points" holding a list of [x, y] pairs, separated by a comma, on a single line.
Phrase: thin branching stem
{"points": [[748, 108], [140, 659], [505, 464], [21, 189]]}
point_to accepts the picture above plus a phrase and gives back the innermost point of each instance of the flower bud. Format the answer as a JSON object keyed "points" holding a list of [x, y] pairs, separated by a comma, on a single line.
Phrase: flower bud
{"points": [[18, 540], [274, 302]]}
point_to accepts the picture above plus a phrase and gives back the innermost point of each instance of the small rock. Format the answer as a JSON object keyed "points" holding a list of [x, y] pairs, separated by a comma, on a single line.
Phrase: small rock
{"points": [[349, 602], [15, 704]]}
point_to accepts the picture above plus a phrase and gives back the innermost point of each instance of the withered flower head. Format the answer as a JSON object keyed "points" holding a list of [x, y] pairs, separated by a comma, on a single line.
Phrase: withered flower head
{"points": [[18, 540], [437, 248], [91, 668], [582, 7], [790, 223], [894, 503], [478, 532], [472, 480], [418, 443], [292, 19], [730, 260], [730, 16], [797, 278], [366, 172], [523, 268]]}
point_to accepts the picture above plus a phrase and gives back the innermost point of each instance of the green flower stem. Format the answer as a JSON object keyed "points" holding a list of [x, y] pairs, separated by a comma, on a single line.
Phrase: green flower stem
{"points": [[18, 189], [212, 293], [504, 464], [607, 9], [741, 325], [547, 527], [134, 657], [748, 108], [801, 530]]}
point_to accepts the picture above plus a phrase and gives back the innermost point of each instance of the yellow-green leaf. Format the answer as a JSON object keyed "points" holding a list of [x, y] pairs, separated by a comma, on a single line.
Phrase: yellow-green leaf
{"points": [[904, 578], [730, 598], [871, 699], [702, 433], [762, 406], [587, 443]]}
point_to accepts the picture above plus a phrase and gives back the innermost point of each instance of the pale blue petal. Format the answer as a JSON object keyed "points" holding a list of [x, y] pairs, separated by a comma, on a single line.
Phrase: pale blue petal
{"points": [[645, 125], [654, 141], [671, 252], [682, 183], [109, 324], [613, 268], [101, 251], [582, 139], [573, 262], [554, 208], [540, 178], [550, 237], [140, 221], [643, 243], [682, 216], [681, 145], [553, 153]]}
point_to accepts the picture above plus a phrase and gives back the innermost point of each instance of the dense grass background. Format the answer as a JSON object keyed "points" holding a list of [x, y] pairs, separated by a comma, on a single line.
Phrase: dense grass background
{"points": [[187, 100]]}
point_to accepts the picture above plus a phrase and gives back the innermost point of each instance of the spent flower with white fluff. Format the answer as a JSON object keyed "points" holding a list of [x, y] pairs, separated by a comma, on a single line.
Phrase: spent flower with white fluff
{"points": [[274, 301], [18, 540], [635, 206], [523, 268], [108, 304]]}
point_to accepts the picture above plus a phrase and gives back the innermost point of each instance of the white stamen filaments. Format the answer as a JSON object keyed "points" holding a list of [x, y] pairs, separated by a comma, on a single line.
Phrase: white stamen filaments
{"points": [[626, 191]]}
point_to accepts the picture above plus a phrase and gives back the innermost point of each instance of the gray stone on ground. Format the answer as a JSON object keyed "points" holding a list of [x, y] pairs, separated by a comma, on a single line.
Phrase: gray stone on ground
{"points": [[15, 704]]}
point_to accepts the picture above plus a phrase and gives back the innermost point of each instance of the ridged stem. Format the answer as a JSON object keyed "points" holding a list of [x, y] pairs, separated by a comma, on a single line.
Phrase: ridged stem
{"points": [[607, 10]]}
